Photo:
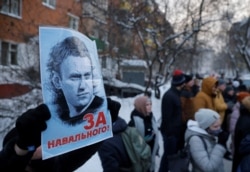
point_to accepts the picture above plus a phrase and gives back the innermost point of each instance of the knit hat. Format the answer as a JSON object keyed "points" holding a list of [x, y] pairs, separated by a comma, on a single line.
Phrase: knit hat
{"points": [[178, 78], [206, 117], [246, 102], [140, 104], [188, 77], [241, 95]]}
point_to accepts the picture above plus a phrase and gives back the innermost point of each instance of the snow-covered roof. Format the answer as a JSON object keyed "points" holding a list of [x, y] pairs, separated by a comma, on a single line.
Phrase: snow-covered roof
{"points": [[134, 62], [119, 84]]}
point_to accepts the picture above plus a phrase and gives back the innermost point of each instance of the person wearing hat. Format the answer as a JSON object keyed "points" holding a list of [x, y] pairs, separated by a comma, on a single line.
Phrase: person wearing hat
{"points": [[143, 119], [187, 96], [205, 97], [207, 141], [224, 104], [242, 129], [219, 103], [234, 116], [112, 152], [171, 115]]}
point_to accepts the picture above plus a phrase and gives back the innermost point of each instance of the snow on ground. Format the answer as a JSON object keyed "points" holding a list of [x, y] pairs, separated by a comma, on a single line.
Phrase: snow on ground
{"points": [[127, 105], [94, 164]]}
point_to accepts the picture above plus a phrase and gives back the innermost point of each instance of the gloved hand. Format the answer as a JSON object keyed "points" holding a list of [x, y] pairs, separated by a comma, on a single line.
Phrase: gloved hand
{"points": [[30, 125], [222, 138], [113, 107]]}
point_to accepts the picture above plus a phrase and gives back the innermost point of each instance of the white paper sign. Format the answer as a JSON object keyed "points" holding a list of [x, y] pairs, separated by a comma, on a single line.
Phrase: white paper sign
{"points": [[73, 89]]}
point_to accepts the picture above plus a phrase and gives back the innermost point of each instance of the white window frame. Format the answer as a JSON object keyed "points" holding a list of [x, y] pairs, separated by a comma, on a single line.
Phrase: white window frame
{"points": [[10, 51], [12, 8], [50, 3], [73, 21]]}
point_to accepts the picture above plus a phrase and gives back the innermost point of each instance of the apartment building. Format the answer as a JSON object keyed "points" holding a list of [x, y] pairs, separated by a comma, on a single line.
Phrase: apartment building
{"points": [[20, 21]]}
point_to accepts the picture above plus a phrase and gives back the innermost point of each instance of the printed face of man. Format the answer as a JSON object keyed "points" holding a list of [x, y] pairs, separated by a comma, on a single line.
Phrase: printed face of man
{"points": [[76, 82]]}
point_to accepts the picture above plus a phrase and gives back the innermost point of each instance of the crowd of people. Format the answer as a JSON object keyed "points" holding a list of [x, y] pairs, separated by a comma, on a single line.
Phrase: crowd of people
{"points": [[201, 111], [205, 115]]}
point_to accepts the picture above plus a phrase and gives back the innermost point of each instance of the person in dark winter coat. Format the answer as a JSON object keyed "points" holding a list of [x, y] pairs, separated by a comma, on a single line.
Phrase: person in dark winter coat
{"points": [[230, 99], [187, 96], [196, 86], [244, 151], [22, 151], [113, 154], [242, 129], [172, 127], [234, 116], [229, 96]]}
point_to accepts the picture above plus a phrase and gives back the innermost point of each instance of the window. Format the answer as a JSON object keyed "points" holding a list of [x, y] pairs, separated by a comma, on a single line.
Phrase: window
{"points": [[73, 22], [50, 3], [8, 54], [11, 7]]}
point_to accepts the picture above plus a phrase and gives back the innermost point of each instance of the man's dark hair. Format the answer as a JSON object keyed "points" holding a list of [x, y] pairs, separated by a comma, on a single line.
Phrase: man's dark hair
{"points": [[70, 46]]}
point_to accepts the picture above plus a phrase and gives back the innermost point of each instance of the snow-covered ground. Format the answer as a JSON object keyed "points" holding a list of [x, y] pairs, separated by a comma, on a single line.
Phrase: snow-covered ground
{"points": [[94, 164]]}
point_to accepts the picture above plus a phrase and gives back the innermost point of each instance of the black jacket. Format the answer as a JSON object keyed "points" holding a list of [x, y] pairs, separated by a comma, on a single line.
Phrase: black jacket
{"points": [[244, 150], [113, 153], [242, 129], [171, 111], [67, 162]]}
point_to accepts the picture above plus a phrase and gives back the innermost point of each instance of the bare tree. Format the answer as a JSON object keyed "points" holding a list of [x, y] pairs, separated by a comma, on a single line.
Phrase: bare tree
{"points": [[140, 29], [239, 45]]}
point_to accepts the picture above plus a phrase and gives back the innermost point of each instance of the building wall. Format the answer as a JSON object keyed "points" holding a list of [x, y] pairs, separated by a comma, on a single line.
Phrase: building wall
{"points": [[35, 14], [134, 77], [23, 31]]}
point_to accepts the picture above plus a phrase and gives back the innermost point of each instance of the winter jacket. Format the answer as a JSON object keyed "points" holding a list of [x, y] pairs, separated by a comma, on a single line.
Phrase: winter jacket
{"points": [[228, 98], [232, 122], [234, 117], [187, 98], [113, 154], [207, 158], [171, 112], [204, 98], [241, 130], [147, 124], [220, 105], [244, 150], [67, 162], [171, 124]]}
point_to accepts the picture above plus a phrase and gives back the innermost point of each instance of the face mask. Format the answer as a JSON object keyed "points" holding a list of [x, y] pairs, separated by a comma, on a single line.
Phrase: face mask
{"points": [[214, 132]]}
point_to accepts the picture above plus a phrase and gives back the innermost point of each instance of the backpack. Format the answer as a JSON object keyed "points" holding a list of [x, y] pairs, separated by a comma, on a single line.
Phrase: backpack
{"points": [[187, 152], [138, 150]]}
